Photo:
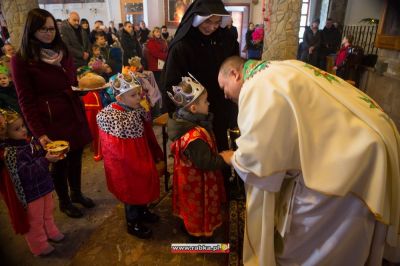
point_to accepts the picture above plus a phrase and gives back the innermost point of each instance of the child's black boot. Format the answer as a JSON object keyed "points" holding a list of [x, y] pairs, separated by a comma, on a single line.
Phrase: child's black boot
{"points": [[139, 230]]}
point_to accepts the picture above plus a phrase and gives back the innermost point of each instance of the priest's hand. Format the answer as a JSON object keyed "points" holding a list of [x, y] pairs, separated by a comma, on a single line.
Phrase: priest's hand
{"points": [[227, 155]]}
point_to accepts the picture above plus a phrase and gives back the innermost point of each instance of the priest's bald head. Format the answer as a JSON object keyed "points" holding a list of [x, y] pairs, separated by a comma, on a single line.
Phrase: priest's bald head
{"points": [[230, 77]]}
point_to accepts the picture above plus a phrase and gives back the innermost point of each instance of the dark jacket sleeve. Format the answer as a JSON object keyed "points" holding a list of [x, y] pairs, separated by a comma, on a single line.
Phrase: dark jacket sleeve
{"points": [[249, 42], [176, 67], [202, 157], [306, 38], [70, 41], [318, 39], [70, 70], [131, 48], [27, 97]]}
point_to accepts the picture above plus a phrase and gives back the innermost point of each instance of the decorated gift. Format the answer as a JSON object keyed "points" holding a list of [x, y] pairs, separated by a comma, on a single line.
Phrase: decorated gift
{"points": [[89, 80], [135, 65]]}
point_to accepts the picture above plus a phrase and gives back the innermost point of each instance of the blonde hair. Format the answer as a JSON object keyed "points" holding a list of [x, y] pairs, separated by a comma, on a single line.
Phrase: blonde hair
{"points": [[151, 35]]}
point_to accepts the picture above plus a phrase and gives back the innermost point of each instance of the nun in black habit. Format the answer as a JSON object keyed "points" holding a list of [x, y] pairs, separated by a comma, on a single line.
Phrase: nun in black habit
{"points": [[200, 45]]}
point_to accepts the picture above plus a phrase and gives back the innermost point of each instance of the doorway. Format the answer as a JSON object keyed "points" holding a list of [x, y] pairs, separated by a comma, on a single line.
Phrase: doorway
{"points": [[240, 16]]}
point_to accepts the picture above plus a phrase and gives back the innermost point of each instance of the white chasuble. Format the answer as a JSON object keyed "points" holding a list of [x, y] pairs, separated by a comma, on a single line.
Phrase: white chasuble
{"points": [[296, 118]]}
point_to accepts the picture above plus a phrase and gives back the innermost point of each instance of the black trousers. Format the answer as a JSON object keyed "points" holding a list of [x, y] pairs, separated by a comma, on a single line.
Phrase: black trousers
{"points": [[68, 171], [133, 212]]}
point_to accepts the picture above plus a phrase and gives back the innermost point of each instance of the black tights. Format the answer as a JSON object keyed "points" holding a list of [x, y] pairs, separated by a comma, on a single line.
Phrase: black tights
{"points": [[68, 171]]}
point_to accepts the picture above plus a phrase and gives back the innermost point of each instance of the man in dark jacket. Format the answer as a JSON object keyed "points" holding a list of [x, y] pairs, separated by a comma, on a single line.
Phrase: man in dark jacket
{"points": [[129, 43], [330, 41], [232, 29], [76, 39], [143, 33]]}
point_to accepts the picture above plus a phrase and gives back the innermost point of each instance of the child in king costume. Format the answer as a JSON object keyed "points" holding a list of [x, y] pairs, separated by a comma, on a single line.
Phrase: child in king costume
{"points": [[130, 152], [198, 189]]}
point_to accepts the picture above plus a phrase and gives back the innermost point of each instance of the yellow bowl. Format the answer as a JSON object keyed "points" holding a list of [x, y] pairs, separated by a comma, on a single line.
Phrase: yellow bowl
{"points": [[58, 147]]}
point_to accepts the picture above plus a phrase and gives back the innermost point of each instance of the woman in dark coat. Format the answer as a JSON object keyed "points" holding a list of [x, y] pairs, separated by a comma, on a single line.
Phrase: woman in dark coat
{"points": [[85, 26], [44, 74], [200, 46]]}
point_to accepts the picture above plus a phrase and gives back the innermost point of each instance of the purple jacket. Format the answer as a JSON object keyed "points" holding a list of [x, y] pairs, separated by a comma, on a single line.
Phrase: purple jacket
{"points": [[33, 169], [49, 105]]}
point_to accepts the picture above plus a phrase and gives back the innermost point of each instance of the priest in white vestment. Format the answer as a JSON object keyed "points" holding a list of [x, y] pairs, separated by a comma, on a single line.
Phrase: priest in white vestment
{"points": [[320, 162]]}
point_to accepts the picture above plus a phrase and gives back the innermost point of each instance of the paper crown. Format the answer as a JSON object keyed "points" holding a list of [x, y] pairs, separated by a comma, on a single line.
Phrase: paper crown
{"points": [[10, 116], [124, 82], [184, 99]]}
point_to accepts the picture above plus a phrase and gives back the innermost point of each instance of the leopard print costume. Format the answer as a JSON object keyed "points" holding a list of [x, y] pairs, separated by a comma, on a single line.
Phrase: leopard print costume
{"points": [[122, 124], [11, 163]]}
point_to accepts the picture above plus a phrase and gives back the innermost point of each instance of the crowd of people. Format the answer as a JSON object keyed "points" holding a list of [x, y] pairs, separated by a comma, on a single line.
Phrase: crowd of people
{"points": [[38, 101], [318, 44], [301, 210]]}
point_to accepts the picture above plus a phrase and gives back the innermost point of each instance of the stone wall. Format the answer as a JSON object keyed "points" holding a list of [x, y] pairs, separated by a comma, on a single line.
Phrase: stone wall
{"points": [[15, 12], [281, 40], [391, 61], [385, 90]]}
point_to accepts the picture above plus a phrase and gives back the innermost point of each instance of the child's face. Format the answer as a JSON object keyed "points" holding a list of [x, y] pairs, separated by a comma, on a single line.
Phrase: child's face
{"points": [[101, 41], [201, 105], [130, 98], [9, 50], [96, 52], [17, 130], [157, 34], [4, 80]]}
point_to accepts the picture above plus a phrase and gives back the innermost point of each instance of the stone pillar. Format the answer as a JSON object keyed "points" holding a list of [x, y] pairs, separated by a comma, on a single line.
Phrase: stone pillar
{"points": [[337, 10], [15, 12], [281, 40]]}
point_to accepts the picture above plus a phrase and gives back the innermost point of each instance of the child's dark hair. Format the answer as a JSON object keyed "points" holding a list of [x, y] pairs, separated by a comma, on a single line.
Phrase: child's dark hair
{"points": [[95, 46], [99, 35], [30, 46]]}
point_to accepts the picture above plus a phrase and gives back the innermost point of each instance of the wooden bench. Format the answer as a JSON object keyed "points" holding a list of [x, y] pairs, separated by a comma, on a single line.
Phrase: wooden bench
{"points": [[162, 122]]}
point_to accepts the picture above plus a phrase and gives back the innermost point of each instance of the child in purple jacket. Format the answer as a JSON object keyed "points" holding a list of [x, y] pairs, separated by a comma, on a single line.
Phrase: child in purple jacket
{"points": [[28, 166]]}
